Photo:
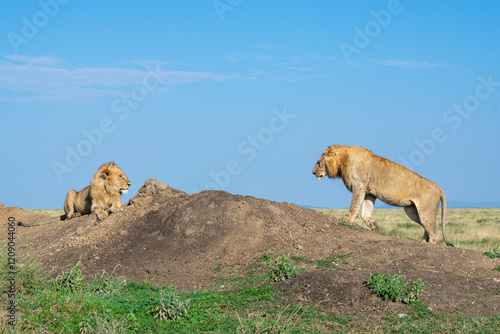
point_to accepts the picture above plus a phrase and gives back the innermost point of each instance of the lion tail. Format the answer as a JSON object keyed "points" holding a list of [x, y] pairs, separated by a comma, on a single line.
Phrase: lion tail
{"points": [[443, 217], [42, 223]]}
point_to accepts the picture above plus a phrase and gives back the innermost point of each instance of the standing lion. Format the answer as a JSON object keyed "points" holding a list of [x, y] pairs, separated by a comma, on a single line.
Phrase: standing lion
{"points": [[369, 176], [102, 196]]}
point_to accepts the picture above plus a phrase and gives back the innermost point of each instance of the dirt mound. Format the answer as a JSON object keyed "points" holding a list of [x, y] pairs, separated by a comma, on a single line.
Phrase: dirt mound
{"points": [[169, 235], [179, 238]]}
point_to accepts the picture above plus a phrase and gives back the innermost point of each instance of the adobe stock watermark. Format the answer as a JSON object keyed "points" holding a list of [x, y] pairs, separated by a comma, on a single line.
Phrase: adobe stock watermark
{"points": [[363, 36], [11, 271], [454, 118], [249, 149], [31, 25], [120, 108], [223, 6]]}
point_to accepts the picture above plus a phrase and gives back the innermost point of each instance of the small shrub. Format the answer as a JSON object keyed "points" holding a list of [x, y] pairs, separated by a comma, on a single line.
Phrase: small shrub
{"points": [[497, 268], [71, 280], [106, 284], [395, 288], [493, 253], [169, 306], [282, 268]]}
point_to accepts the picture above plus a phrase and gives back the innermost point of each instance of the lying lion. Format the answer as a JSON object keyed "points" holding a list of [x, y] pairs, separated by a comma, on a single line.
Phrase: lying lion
{"points": [[369, 176], [100, 197]]}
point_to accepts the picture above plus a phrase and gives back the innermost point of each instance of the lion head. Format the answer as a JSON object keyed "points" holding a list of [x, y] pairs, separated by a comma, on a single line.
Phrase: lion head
{"points": [[320, 169], [326, 165], [110, 179]]}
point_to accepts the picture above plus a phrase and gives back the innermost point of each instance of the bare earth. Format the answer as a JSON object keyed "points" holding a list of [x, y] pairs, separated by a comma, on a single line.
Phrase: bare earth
{"points": [[173, 237]]}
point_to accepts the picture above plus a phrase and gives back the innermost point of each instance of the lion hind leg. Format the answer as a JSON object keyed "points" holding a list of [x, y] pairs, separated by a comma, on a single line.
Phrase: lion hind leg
{"points": [[430, 234], [429, 224], [69, 204], [428, 212], [366, 212], [412, 213]]}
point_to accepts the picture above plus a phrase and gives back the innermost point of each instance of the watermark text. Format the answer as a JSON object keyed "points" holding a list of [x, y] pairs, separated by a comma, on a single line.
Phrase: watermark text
{"points": [[10, 273]]}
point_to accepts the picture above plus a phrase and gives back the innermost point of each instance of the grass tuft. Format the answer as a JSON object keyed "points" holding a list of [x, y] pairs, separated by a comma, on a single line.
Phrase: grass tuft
{"points": [[281, 269], [169, 306], [493, 253], [71, 281]]}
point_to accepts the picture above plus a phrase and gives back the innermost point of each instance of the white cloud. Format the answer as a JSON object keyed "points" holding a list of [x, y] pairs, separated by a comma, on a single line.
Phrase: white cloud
{"points": [[236, 58], [36, 60], [283, 65], [410, 63], [49, 79]]}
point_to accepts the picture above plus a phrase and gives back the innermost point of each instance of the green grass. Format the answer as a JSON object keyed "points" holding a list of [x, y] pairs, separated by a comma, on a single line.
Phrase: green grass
{"points": [[324, 263], [476, 229], [50, 212], [69, 304], [107, 303]]}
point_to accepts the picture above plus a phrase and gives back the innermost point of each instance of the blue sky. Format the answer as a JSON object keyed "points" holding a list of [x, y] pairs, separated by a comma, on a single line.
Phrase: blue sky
{"points": [[244, 96]]}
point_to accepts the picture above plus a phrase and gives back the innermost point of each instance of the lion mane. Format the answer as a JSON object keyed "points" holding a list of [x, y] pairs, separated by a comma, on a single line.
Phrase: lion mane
{"points": [[102, 196], [369, 177]]}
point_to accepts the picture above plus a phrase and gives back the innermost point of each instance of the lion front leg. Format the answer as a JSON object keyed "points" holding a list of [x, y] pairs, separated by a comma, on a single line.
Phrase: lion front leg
{"points": [[100, 213], [117, 206], [357, 199], [366, 212]]}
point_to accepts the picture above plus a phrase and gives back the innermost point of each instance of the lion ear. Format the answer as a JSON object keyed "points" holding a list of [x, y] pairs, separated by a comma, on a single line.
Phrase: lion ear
{"points": [[330, 150], [104, 175]]}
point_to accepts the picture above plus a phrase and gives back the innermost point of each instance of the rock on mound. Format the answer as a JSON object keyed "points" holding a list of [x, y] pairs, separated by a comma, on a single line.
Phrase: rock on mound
{"points": [[153, 188]]}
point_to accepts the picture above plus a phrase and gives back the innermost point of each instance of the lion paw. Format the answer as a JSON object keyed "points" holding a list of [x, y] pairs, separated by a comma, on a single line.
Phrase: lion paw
{"points": [[115, 210], [373, 225], [345, 220], [102, 215]]}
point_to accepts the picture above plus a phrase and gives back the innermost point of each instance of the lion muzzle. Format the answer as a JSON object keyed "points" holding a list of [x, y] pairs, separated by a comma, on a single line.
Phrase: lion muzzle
{"points": [[320, 177]]}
